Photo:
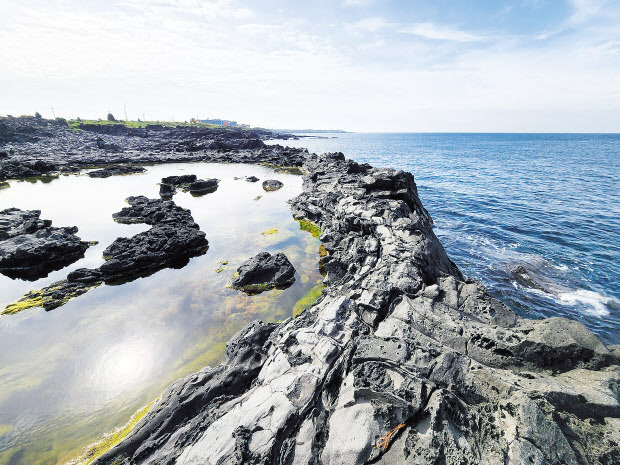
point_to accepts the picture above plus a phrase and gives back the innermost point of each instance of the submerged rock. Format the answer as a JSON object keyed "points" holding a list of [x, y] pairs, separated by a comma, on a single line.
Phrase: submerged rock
{"points": [[525, 278], [272, 185], [30, 248], [116, 171], [264, 272], [402, 360]]}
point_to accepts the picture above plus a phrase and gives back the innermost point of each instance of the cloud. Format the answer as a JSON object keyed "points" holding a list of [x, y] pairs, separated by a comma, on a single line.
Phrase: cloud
{"points": [[429, 30], [368, 25], [357, 2]]}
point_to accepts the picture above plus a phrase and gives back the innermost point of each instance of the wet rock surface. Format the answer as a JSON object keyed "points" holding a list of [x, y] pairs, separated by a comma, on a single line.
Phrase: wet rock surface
{"points": [[264, 272], [272, 185], [31, 248], [171, 241], [401, 361], [116, 171]]}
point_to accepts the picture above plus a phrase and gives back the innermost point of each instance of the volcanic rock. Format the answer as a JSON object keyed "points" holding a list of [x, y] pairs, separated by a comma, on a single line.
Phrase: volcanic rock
{"points": [[402, 360], [30, 248], [252, 179], [263, 272], [272, 185]]}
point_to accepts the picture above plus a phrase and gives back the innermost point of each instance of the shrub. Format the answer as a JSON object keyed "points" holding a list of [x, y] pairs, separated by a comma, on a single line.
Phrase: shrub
{"points": [[111, 117], [37, 115]]}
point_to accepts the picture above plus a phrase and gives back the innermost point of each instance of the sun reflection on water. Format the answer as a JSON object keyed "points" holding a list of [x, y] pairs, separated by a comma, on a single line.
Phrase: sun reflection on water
{"points": [[124, 366]]}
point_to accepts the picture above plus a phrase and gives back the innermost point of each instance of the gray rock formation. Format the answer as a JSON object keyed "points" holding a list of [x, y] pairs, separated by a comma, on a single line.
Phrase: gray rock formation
{"points": [[31, 248], [264, 272], [401, 361]]}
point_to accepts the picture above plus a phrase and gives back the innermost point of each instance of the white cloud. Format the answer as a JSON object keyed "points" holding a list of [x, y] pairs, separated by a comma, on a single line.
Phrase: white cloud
{"points": [[434, 31], [357, 2], [368, 25]]}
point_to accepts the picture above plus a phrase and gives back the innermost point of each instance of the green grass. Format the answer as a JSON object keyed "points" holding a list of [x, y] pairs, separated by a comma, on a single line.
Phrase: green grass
{"points": [[76, 125]]}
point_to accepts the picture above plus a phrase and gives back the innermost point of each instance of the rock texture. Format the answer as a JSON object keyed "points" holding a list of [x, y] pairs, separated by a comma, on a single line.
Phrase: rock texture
{"points": [[30, 248], [264, 272], [401, 361]]}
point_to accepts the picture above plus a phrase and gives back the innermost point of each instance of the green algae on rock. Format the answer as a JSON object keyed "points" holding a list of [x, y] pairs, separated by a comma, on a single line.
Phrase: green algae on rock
{"points": [[307, 300], [50, 297], [307, 225]]}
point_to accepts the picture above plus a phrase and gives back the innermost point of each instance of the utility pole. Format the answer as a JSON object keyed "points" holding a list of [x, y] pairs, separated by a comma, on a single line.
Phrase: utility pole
{"points": [[53, 112]]}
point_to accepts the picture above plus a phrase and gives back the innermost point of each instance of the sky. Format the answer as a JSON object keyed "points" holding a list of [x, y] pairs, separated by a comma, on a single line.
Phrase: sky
{"points": [[358, 65]]}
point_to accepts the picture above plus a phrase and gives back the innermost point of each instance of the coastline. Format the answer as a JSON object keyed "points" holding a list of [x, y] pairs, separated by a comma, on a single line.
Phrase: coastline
{"points": [[399, 337]]}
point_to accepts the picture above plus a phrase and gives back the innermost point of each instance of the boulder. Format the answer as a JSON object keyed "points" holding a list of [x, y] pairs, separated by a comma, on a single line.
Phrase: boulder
{"points": [[272, 185], [264, 272], [252, 179]]}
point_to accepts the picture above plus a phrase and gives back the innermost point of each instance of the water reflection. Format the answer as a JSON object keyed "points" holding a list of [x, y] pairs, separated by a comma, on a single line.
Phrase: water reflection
{"points": [[70, 375], [122, 366]]}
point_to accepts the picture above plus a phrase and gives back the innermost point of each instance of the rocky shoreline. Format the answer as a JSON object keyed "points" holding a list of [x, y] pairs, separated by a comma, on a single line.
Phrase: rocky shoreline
{"points": [[401, 361]]}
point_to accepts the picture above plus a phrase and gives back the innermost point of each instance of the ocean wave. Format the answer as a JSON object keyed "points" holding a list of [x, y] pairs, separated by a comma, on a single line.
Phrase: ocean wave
{"points": [[594, 303]]}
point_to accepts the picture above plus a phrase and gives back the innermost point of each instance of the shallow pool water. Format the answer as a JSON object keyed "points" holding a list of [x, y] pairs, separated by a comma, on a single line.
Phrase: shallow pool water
{"points": [[70, 375]]}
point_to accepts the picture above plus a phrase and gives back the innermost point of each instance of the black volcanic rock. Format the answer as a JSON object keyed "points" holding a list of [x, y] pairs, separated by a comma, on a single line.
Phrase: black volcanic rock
{"points": [[252, 179], [188, 183], [30, 248], [402, 360], [263, 272], [272, 185], [116, 171]]}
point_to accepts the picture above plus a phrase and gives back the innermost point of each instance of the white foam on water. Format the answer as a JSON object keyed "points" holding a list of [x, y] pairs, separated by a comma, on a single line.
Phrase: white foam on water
{"points": [[595, 303]]}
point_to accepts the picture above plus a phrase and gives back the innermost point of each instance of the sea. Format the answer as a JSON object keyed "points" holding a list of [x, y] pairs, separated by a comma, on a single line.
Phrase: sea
{"points": [[534, 217]]}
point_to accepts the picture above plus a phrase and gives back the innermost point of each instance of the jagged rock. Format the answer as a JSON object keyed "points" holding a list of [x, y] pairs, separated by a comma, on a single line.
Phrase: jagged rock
{"points": [[30, 248], [402, 360], [116, 171], [187, 182], [252, 179], [272, 185], [263, 272]]}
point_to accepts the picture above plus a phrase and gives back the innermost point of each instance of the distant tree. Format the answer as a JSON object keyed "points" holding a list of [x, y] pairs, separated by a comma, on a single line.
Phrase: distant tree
{"points": [[37, 115], [78, 119], [111, 117]]}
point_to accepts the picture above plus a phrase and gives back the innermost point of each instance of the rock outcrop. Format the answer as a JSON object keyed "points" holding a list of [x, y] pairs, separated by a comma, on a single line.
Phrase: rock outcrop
{"points": [[272, 185], [264, 272], [401, 361], [31, 248]]}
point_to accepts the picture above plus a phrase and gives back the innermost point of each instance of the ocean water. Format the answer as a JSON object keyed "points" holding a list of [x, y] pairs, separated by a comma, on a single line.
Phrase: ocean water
{"points": [[549, 203]]}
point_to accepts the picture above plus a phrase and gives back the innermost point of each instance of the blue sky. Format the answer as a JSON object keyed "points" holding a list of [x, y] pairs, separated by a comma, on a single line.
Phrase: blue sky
{"points": [[513, 66]]}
